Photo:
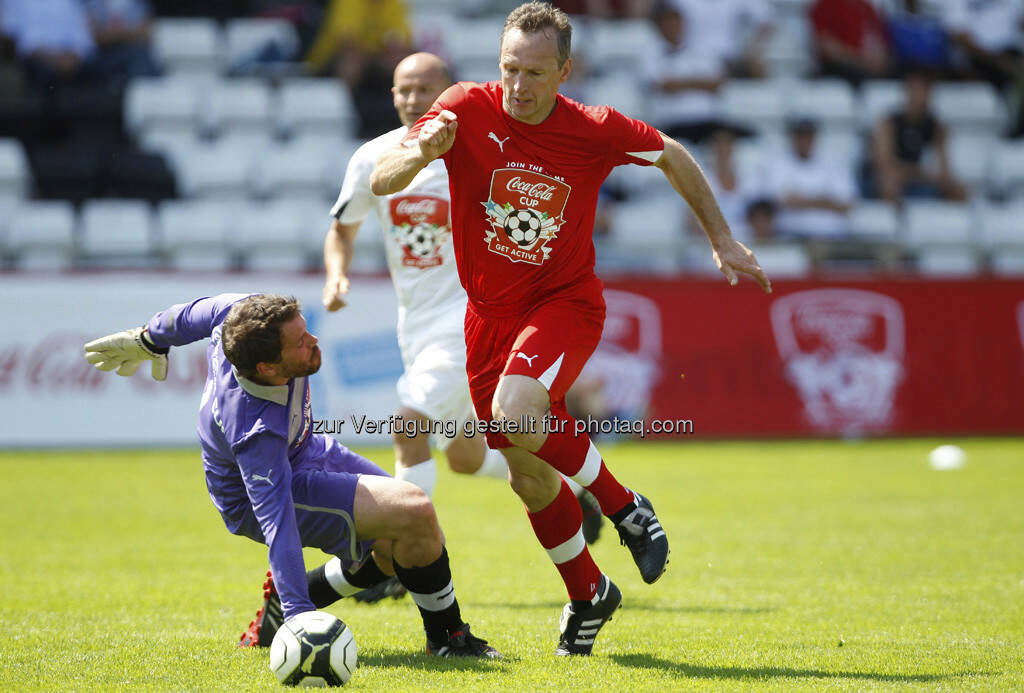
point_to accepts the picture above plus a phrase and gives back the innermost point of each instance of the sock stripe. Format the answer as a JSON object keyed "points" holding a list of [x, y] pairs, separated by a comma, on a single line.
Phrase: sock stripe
{"points": [[569, 549], [590, 469], [435, 601], [335, 575]]}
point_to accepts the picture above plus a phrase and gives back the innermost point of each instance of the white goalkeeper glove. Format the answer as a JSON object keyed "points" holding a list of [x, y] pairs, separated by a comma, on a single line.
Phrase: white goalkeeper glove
{"points": [[126, 351]]}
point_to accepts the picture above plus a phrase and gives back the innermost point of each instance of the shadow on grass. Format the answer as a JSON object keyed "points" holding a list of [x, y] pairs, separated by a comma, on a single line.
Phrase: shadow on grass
{"points": [[694, 671], [428, 663]]}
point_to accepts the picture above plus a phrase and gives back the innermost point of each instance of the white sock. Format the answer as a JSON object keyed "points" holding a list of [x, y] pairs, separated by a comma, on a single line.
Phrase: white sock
{"points": [[494, 465], [336, 577], [573, 486], [422, 474]]}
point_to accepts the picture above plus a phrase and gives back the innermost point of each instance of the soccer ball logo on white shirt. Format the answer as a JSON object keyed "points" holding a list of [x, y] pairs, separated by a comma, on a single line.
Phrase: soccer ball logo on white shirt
{"points": [[523, 227], [421, 240]]}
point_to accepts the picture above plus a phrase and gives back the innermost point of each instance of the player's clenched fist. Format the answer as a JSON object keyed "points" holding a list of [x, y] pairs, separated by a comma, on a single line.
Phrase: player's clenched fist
{"points": [[438, 135]]}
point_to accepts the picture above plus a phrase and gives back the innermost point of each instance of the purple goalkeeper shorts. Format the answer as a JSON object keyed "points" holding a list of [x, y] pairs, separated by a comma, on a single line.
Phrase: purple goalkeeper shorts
{"points": [[324, 493]]}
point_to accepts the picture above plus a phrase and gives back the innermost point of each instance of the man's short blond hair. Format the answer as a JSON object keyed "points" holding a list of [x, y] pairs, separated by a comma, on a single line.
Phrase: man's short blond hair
{"points": [[532, 17]]}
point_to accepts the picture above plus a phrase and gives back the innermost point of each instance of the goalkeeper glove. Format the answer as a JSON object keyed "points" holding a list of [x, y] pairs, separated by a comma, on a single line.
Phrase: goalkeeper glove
{"points": [[126, 351]]}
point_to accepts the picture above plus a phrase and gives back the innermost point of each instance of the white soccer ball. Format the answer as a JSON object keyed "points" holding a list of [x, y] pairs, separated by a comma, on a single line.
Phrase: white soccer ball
{"points": [[947, 457], [522, 227], [313, 649], [420, 240]]}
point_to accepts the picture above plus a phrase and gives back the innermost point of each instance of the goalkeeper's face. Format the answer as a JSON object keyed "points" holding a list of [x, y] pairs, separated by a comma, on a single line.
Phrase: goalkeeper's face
{"points": [[300, 353]]}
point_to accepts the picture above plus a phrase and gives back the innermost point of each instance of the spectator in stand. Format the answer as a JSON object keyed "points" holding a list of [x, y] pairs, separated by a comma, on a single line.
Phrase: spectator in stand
{"points": [[734, 31], [361, 42], [736, 189], [813, 192], [918, 39], [122, 30], [52, 40], [683, 83], [988, 34], [909, 149], [850, 39]]}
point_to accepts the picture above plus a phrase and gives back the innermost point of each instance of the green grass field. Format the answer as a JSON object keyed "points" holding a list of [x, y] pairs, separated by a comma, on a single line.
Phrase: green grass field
{"points": [[796, 566]]}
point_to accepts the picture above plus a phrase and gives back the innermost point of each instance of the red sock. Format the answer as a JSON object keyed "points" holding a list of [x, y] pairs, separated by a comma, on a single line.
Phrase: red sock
{"points": [[575, 456], [559, 529]]}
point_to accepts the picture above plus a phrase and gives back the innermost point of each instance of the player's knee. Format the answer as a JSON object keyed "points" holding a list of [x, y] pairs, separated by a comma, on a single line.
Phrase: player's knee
{"points": [[463, 461], [418, 516]]}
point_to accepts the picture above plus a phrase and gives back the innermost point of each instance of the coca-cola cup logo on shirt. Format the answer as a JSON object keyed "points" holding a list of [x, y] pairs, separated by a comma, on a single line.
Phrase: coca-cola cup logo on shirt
{"points": [[525, 212], [420, 227]]}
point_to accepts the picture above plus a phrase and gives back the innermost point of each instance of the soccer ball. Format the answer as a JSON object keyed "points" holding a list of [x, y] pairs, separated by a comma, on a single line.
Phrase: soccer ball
{"points": [[313, 649], [523, 227], [420, 240]]}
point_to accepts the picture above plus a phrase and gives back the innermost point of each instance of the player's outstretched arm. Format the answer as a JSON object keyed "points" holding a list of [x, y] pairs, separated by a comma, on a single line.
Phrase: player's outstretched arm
{"points": [[126, 351], [686, 177], [339, 246], [397, 167]]}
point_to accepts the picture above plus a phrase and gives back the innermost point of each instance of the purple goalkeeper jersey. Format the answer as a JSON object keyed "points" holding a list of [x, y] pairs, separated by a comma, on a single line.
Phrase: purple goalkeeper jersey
{"points": [[252, 436]]}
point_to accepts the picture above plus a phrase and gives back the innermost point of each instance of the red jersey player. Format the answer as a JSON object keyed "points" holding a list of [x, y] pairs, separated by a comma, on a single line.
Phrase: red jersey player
{"points": [[524, 172]]}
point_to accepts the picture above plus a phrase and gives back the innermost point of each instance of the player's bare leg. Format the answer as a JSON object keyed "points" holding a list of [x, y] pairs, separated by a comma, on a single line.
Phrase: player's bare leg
{"points": [[520, 397]]}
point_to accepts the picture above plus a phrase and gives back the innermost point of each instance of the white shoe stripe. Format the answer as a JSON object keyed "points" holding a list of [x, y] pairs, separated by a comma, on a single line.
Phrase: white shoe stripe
{"points": [[659, 534], [584, 641], [591, 622], [588, 631]]}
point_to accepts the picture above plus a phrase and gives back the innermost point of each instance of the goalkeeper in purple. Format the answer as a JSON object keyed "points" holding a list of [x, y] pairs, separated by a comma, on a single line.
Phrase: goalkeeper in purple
{"points": [[276, 482]]}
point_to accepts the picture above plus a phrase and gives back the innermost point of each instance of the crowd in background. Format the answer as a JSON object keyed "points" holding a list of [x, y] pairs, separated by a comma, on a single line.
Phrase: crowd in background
{"points": [[65, 65]]}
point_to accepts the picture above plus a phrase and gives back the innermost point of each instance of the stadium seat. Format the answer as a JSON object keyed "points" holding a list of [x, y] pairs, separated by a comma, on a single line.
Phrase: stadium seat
{"points": [[216, 170], [1004, 226], [948, 262], [164, 102], [638, 182], [932, 223], [113, 230], [841, 145], [1008, 168], [369, 246], [783, 260], [15, 175], [968, 106], [879, 98], [1009, 263], [788, 52], [247, 37], [318, 105], [829, 101], [646, 233], [41, 235], [271, 235], [290, 169], [189, 45], [755, 103], [622, 93], [237, 104], [874, 220], [618, 46], [476, 48], [970, 157], [193, 233]]}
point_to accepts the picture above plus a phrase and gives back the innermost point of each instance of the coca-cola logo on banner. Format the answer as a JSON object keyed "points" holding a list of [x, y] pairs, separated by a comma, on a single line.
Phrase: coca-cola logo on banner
{"points": [[843, 350]]}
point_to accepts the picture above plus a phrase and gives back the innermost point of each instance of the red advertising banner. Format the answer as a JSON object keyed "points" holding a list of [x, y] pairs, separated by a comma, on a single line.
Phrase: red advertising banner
{"points": [[867, 357]]}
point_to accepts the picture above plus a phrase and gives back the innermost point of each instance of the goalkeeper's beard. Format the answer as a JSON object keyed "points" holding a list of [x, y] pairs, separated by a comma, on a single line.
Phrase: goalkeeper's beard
{"points": [[304, 369]]}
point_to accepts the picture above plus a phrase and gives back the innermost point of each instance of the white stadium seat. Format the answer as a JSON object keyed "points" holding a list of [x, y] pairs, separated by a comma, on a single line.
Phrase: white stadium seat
{"points": [[647, 234], [476, 45], [268, 234], [969, 105], [163, 101], [783, 260], [970, 157], [237, 104], [290, 169], [216, 170], [193, 233], [932, 222], [948, 262], [622, 93], [755, 103], [874, 220], [618, 46], [1008, 167], [1004, 226], [111, 227], [41, 235], [15, 174], [1009, 262], [829, 101], [320, 105], [879, 98], [247, 36], [188, 45], [788, 53]]}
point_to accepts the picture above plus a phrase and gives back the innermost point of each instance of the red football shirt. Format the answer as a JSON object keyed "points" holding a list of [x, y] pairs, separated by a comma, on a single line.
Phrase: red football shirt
{"points": [[524, 196]]}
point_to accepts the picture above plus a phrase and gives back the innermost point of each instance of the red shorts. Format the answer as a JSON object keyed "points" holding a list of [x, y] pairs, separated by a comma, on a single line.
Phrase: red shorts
{"points": [[551, 343]]}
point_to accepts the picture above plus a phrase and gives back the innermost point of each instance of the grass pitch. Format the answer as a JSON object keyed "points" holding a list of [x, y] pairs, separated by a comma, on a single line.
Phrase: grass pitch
{"points": [[796, 566]]}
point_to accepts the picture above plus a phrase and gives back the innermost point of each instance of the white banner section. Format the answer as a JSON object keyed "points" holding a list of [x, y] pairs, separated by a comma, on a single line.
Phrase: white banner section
{"points": [[50, 396]]}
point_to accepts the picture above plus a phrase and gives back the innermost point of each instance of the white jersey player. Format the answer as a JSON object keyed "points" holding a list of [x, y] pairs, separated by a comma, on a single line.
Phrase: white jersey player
{"points": [[431, 300]]}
